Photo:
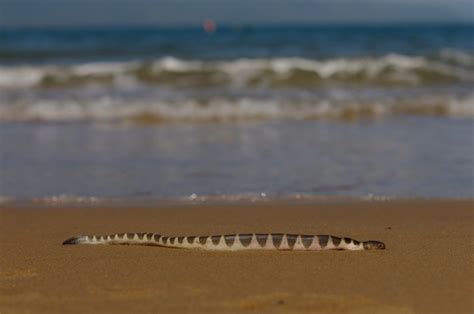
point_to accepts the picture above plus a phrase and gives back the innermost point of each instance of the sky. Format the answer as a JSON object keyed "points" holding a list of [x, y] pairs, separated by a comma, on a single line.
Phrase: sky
{"points": [[21, 13]]}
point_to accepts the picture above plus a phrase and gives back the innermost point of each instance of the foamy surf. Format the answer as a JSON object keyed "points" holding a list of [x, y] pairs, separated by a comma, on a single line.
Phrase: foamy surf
{"points": [[257, 197], [221, 109]]}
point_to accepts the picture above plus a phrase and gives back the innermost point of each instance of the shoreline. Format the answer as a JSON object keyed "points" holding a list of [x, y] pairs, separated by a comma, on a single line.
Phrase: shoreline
{"points": [[209, 200], [426, 268]]}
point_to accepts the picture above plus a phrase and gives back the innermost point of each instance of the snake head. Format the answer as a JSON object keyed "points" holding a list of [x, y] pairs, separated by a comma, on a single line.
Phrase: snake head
{"points": [[374, 245]]}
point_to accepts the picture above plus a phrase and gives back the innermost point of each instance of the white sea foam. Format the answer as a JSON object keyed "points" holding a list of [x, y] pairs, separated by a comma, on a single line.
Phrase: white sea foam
{"points": [[6, 199], [97, 68], [175, 65], [21, 76], [461, 107], [63, 198]]}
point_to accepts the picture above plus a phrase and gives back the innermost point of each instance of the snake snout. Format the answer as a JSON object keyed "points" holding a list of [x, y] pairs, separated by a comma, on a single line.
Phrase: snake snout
{"points": [[374, 245]]}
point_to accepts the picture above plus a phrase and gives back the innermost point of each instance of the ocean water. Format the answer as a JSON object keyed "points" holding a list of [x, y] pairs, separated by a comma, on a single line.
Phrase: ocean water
{"points": [[145, 113]]}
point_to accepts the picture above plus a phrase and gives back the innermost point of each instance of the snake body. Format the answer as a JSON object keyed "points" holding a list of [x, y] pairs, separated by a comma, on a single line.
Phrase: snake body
{"points": [[234, 242]]}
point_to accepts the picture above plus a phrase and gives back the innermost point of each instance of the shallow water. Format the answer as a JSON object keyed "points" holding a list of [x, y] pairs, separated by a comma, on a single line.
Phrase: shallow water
{"points": [[285, 111], [405, 157]]}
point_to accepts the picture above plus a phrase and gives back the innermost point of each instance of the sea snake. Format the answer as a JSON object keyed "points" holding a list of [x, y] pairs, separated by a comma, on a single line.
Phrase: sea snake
{"points": [[234, 242]]}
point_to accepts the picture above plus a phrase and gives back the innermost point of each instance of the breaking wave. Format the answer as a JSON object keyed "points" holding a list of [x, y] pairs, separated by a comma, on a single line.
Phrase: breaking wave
{"points": [[391, 69], [227, 109]]}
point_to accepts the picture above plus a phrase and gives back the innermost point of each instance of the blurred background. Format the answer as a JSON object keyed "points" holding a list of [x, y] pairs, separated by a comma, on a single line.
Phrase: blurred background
{"points": [[249, 99]]}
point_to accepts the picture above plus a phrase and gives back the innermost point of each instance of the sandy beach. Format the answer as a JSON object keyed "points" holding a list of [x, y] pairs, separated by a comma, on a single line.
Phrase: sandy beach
{"points": [[426, 268]]}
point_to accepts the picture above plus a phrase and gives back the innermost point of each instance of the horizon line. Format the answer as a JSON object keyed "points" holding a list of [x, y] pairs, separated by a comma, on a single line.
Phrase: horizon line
{"points": [[240, 25]]}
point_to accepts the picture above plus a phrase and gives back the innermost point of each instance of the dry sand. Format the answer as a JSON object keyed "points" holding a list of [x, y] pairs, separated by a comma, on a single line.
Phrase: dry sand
{"points": [[427, 267]]}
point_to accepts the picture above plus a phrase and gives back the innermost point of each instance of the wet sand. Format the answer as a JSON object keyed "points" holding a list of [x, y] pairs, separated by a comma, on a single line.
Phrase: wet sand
{"points": [[426, 268]]}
